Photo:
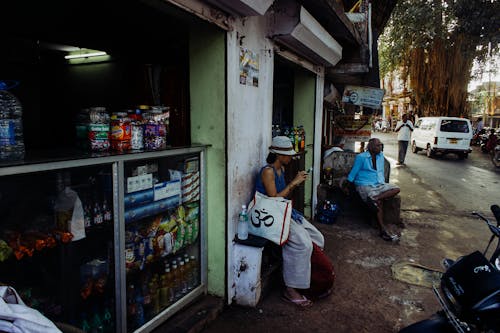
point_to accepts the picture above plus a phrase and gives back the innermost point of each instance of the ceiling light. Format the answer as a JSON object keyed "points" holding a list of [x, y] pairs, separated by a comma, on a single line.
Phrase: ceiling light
{"points": [[85, 55]]}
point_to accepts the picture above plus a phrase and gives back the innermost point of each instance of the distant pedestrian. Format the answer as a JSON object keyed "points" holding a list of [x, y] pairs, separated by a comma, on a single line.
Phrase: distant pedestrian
{"points": [[404, 128], [479, 125]]}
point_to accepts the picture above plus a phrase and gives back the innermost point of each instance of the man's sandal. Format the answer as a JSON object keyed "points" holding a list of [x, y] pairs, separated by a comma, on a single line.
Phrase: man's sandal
{"points": [[388, 237]]}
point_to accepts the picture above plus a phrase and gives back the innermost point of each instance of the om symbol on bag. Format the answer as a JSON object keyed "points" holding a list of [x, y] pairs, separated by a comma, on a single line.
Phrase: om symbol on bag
{"points": [[262, 216]]}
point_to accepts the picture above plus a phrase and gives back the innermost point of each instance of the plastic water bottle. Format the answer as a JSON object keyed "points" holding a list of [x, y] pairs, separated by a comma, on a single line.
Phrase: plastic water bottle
{"points": [[11, 126], [243, 223]]}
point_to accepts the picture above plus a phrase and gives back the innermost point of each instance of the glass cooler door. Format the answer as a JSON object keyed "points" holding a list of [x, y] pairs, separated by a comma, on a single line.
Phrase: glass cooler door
{"points": [[162, 227], [56, 243]]}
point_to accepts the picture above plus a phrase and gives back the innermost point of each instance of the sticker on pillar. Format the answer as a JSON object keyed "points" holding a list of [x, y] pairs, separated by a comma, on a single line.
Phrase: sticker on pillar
{"points": [[249, 68]]}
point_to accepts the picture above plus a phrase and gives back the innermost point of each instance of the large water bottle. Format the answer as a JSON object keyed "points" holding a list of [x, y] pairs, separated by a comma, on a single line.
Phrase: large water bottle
{"points": [[243, 223], [11, 125]]}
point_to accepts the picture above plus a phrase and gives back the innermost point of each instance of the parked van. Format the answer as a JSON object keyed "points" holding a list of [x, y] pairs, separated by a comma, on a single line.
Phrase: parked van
{"points": [[442, 135]]}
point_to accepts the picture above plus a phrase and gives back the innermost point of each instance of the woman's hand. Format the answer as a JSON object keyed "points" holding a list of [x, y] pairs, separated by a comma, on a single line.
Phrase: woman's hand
{"points": [[299, 179]]}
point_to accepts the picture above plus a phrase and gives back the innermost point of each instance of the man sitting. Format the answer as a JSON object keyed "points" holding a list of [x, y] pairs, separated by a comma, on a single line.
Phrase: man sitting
{"points": [[367, 174]]}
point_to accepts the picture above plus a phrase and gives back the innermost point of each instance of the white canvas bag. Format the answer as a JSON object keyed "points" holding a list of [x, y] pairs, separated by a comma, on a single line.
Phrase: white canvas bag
{"points": [[16, 317], [270, 217]]}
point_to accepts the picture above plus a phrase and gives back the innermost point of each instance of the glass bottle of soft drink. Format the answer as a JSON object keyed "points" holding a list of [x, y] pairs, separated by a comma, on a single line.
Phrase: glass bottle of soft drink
{"points": [[194, 271], [182, 278], [164, 297], [175, 282], [154, 291]]}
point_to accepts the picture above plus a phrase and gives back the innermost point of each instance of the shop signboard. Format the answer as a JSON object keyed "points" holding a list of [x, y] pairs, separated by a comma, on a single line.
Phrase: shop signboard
{"points": [[363, 96], [356, 129]]}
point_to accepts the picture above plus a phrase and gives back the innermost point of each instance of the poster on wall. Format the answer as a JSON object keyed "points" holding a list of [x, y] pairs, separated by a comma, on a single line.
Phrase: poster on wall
{"points": [[363, 96], [249, 68]]}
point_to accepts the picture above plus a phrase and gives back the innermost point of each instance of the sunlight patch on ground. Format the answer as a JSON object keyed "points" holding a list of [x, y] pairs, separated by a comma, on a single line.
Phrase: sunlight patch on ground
{"points": [[372, 262], [409, 237]]}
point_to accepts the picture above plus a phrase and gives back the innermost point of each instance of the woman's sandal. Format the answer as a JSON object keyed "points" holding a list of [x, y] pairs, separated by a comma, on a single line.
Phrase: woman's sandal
{"points": [[302, 302]]}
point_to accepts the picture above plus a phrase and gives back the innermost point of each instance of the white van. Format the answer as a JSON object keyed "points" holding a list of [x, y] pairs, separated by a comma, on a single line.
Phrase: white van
{"points": [[442, 135]]}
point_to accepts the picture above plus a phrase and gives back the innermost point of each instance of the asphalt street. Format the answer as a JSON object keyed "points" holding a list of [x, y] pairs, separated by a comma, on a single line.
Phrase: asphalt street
{"points": [[467, 185], [377, 290]]}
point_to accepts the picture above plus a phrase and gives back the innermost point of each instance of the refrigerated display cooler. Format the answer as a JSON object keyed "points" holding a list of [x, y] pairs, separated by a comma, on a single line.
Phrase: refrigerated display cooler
{"points": [[114, 243]]}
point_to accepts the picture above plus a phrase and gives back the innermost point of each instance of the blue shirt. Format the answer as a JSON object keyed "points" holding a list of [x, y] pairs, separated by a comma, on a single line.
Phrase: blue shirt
{"points": [[363, 173]]}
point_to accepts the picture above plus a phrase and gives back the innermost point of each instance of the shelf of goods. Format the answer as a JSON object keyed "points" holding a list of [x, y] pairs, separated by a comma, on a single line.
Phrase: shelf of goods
{"points": [[108, 244]]}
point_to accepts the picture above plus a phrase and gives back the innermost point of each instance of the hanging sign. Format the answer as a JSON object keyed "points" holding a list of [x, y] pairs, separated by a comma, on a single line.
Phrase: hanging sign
{"points": [[363, 96]]}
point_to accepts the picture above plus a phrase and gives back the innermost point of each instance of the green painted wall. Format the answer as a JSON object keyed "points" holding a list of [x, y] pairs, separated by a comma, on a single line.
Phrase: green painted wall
{"points": [[207, 92], [303, 114]]}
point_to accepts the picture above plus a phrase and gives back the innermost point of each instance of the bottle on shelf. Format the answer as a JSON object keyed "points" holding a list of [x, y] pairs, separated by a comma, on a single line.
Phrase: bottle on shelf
{"points": [[164, 295], [131, 306], [11, 126], [182, 278], [243, 223], [175, 282], [154, 290], [195, 277]]}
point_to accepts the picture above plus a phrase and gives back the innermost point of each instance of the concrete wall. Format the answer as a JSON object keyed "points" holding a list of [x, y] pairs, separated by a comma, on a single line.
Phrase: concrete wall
{"points": [[303, 114], [249, 120], [208, 119]]}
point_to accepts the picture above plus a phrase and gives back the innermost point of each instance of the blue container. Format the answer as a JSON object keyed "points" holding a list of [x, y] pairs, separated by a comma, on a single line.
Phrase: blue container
{"points": [[327, 212]]}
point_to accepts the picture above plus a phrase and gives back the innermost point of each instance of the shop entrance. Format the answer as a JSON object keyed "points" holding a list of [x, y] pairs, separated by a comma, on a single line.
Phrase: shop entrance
{"points": [[293, 116]]}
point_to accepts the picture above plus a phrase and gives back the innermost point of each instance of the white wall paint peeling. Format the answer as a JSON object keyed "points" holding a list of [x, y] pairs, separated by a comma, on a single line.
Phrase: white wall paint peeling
{"points": [[249, 119]]}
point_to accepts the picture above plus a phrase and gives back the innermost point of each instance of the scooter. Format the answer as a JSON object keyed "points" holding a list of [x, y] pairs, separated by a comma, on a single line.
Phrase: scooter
{"points": [[469, 291], [495, 156]]}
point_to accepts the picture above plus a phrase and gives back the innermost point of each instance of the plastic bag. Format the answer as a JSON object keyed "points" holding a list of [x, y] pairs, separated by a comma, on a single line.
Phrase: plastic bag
{"points": [[69, 213]]}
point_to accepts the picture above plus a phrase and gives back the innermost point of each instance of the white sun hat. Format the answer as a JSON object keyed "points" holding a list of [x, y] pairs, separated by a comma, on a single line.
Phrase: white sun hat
{"points": [[282, 145]]}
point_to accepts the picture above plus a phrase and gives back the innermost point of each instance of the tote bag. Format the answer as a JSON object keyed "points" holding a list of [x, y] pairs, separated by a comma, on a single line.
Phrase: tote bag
{"points": [[270, 217]]}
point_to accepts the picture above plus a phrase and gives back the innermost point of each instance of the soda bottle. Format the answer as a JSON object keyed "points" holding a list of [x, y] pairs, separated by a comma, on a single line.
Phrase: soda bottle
{"points": [[194, 271], [98, 218], [11, 125], [182, 278], [302, 134], [243, 223], [187, 273], [154, 291], [296, 139], [164, 297], [131, 307], [106, 211], [169, 277], [96, 325], [175, 282], [85, 326], [139, 317]]}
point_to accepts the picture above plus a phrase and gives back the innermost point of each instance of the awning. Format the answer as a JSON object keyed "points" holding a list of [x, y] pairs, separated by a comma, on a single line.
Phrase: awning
{"points": [[242, 7], [292, 26]]}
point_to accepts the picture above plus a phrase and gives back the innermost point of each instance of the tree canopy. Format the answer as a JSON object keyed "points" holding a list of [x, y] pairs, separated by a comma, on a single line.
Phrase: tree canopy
{"points": [[433, 44]]}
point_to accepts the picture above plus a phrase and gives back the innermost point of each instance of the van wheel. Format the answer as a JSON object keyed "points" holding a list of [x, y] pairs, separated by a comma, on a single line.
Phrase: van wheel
{"points": [[430, 152], [462, 156], [414, 148]]}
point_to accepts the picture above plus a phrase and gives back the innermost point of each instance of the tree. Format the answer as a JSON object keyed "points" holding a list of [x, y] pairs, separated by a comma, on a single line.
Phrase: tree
{"points": [[433, 45]]}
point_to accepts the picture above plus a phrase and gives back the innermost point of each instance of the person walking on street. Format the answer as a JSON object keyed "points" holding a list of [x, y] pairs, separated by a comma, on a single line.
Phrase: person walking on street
{"points": [[404, 128]]}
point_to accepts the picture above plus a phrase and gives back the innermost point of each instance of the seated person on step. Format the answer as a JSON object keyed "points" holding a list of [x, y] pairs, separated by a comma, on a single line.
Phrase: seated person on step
{"points": [[298, 249], [367, 174]]}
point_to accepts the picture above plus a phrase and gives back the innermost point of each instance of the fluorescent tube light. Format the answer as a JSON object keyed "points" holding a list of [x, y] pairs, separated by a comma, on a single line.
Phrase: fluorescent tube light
{"points": [[85, 55]]}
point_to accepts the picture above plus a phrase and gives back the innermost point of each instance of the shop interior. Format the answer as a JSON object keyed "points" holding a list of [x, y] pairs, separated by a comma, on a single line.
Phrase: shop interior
{"points": [[146, 63], [291, 119]]}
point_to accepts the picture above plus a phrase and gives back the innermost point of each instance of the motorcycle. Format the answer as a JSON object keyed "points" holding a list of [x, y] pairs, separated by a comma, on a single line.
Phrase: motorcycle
{"points": [[477, 138], [469, 291], [495, 156]]}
